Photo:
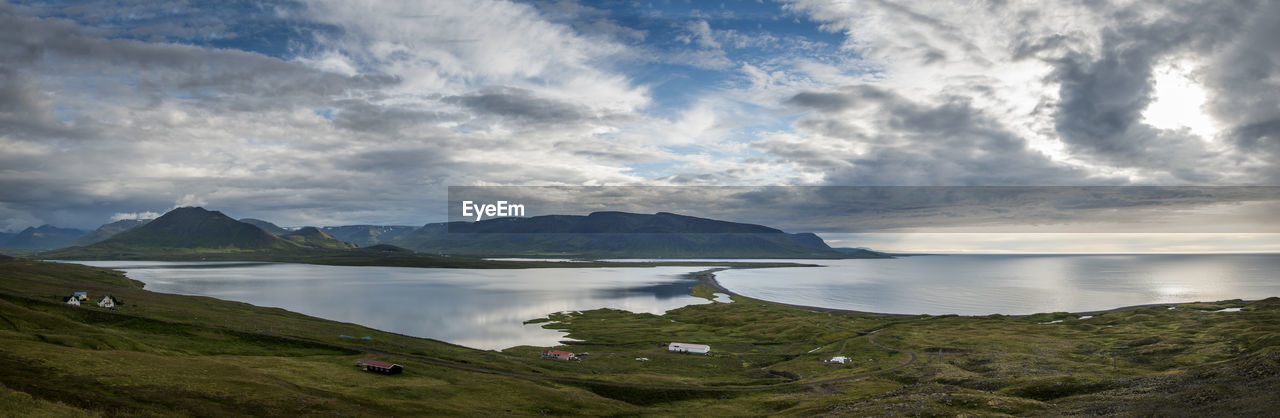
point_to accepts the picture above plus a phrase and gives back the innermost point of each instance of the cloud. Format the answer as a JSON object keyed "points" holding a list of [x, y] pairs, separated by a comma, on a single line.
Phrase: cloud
{"points": [[189, 200], [329, 112], [135, 215], [1068, 81], [364, 121], [1243, 74], [520, 104], [699, 33], [881, 209], [867, 135]]}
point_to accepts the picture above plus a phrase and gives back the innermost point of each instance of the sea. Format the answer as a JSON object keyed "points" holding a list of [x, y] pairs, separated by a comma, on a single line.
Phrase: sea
{"points": [[488, 308]]}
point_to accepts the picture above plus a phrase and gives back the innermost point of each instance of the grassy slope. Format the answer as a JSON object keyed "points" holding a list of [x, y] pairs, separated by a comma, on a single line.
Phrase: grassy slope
{"points": [[161, 354], [313, 237], [1185, 361]]}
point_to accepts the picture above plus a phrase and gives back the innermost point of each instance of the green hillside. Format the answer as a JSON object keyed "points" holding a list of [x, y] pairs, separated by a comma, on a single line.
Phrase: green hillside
{"points": [[266, 226], [195, 227], [194, 233], [313, 237], [188, 228], [172, 355], [42, 237], [617, 235], [198, 234], [107, 231], [367, 235]]}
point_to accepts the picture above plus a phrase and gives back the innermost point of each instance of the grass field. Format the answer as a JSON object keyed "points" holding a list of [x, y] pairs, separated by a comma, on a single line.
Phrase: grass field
{"points": [[162, 354]]}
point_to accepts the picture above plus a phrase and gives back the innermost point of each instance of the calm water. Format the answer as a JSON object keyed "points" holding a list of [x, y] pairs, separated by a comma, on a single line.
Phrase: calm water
{"points": [[1012, 284], [476, 308], [485, 308]]}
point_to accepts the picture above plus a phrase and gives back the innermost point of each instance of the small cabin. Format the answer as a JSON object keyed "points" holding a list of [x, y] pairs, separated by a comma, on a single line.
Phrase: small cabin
{"points": [[71, 300], [382, 367], [689, 348], [838, 360], [557, 354], [83, 296], [107, 302]]}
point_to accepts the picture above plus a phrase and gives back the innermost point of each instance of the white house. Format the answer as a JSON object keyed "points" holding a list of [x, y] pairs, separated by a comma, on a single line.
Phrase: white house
{"points": [[71, 300], [107, 302], [838, 360], [689, 348]]}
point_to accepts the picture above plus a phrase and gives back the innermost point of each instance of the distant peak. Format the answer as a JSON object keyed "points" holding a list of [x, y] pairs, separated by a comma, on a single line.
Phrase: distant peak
{"points": [[185, 210]]}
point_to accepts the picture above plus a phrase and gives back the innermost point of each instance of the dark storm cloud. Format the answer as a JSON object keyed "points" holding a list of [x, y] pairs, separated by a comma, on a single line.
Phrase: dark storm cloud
{"points": [[840, 209], [1246, 78], [830, 102], [507, 102], [907, 142], [254, 81], [363, 116], [25, 112], [338, 112], [94, 125], [1103, 96], [1102, 58]]}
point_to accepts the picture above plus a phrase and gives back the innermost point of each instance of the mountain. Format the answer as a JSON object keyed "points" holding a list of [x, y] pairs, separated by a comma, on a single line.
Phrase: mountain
{"points": [[616, 235], [862, 251], [811, 241], [193, 233], [43, 237], [368, 235], [194, 227], [108, 230], [313, 237], [265, 226]]}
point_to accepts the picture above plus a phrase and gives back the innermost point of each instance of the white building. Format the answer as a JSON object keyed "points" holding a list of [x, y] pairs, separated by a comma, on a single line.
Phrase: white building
{"points": [[838, 360], [71, 300], [107, 302], [689, 348]]}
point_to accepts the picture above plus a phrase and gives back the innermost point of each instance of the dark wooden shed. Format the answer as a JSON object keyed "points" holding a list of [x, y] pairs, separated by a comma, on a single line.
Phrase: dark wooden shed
{"points": [[382, 367]]}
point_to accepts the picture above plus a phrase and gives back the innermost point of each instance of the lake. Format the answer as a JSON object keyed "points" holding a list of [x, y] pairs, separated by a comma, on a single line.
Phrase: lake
{"points": [[476, 308], [1012, 284], [486, 308]]}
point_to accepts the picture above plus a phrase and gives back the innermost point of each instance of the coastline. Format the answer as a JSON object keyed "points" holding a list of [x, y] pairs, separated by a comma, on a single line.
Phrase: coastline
{"points": [[708, 278]]}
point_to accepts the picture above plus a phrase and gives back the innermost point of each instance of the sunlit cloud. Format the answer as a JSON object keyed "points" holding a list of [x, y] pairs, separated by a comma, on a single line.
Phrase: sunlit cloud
{"points": [[337, 112]]}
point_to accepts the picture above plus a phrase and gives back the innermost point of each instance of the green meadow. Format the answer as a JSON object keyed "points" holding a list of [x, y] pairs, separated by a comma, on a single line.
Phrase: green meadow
{"points": [[162, 354]]}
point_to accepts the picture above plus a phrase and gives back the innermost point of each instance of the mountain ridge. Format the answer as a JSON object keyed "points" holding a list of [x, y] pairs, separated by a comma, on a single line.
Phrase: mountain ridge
{"points": [[195, 232], [195, 227], [315, 238], [617, 235], [43, 237], [265, 226], [107, 231]]}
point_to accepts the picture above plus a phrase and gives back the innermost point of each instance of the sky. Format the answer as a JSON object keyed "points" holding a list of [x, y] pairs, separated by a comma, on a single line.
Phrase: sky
{"points": [[334, 112]]}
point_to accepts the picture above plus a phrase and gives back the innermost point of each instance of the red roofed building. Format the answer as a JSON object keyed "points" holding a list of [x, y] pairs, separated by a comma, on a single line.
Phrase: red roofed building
{"points": [[380, 366], [563, 355]]}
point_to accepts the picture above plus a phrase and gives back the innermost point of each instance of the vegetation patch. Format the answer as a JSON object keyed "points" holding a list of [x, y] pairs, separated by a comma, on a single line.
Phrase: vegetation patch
{"points": [[163, 354]]}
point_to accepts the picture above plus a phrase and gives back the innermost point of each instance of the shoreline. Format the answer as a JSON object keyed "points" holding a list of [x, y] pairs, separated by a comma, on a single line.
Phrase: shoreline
{"points": [[708, 278]]}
